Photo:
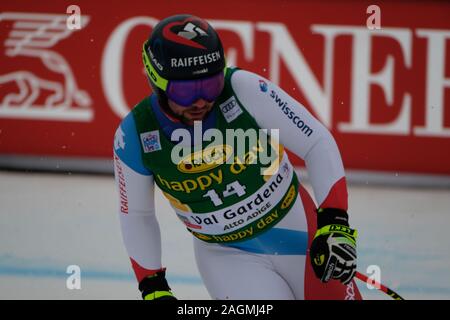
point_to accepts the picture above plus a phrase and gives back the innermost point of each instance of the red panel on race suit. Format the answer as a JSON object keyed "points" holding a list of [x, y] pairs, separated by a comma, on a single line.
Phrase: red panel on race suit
{"points": [[314, 288]]}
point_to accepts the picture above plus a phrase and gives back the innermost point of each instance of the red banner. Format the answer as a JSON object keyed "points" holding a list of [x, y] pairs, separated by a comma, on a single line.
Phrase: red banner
{"points": [[383, 92]]}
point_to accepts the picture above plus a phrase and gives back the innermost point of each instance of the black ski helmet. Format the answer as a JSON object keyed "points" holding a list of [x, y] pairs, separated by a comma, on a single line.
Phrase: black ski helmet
{"points": [[181, 47]]}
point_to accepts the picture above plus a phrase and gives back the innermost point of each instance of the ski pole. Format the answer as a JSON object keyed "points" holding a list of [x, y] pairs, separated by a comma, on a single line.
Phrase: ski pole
{"points": [[379, 286]]}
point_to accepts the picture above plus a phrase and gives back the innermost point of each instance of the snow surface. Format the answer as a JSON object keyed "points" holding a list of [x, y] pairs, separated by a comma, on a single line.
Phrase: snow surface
{"points": [[49, 221]]}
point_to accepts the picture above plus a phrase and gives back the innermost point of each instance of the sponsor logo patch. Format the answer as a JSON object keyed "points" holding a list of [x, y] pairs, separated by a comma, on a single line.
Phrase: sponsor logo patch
{"points": [[150, 141], [230, 109], [262, 85]]}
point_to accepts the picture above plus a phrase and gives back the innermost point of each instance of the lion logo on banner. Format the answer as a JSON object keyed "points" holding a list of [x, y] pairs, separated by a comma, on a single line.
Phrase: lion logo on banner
{"points": [[31, 95]]}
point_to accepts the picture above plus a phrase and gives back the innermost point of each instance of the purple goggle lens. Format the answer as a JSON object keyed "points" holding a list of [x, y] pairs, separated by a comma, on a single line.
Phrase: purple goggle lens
{"points": [[186, 92]]}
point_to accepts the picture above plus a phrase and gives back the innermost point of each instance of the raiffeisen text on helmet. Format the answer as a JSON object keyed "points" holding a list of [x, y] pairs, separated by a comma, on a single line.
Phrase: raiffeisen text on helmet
{"points": [[196, 60]]}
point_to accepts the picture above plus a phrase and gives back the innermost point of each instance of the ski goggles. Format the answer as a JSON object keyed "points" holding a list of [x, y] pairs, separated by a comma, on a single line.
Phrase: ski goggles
{"points": [[186, 92]]}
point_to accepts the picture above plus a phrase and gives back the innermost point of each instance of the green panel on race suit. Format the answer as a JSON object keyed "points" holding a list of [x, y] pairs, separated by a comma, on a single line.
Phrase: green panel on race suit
{"points": [[222, 194]]}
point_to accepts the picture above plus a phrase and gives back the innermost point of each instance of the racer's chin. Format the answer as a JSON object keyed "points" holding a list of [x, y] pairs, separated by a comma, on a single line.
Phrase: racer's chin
{"points": [[196, 115]]}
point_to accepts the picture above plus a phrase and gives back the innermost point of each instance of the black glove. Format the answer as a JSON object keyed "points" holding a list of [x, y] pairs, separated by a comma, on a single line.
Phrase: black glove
{"points": [[155, 287], [333, 249]]}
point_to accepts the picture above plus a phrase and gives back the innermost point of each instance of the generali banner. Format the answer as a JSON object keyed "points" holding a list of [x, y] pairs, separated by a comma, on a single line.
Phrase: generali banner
{"points": [[379, 79]]}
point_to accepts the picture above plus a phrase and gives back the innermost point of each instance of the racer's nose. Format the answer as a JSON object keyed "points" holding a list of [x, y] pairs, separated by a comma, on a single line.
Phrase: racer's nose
{"points": [[200, 103]]}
